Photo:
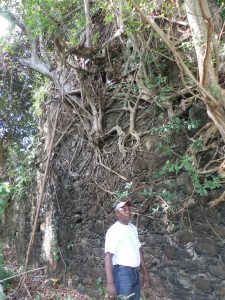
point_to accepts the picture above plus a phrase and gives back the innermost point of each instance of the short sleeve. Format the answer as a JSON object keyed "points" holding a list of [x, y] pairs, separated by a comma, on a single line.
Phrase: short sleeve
{"points": [[111, 241]]}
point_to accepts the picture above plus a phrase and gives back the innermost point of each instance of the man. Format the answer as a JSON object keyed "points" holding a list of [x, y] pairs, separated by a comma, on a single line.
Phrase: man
{"points": [[123, 256]]}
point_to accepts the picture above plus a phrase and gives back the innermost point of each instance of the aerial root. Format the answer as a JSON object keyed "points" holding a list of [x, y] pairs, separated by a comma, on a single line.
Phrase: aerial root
{"points": [[218, 200]]}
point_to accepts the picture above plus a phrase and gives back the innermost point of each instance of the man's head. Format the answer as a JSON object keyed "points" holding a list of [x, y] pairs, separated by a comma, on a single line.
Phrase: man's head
{"points": [[123, 211]]}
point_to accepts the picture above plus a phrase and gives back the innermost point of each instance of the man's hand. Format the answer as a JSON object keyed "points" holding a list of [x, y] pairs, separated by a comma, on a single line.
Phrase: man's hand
{"points": [[111, 291], [109, 276], [146, 279]]}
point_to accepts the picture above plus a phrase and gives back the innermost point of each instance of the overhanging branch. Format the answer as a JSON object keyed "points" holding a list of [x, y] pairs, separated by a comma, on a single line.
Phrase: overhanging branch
{"points": [[36, 65], [13, 19]]}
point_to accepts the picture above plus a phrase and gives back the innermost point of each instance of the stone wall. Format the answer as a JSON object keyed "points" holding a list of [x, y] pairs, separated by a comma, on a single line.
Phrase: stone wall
{"points": [[184, 251], [186, 258], [183, 240]]}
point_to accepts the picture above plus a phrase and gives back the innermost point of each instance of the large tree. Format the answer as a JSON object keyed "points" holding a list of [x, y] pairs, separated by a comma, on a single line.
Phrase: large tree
{"points": [[78, 45], [50, 29]]}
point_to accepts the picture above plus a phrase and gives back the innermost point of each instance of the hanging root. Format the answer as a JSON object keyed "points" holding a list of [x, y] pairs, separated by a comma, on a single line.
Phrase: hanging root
{"points": [[218, 200]]}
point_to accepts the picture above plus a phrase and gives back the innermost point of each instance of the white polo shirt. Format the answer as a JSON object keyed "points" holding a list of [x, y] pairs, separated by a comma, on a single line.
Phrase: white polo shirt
{"points": [[123, 242]]}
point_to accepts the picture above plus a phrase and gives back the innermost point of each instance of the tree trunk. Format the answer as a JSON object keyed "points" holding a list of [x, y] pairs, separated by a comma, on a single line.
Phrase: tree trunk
{"points": [[202, 27], [88, 23]]}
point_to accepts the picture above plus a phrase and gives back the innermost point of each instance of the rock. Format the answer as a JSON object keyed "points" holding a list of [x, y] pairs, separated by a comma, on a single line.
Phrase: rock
{"points": [[220, 290], [172, 253], [77, 218], [99, 227], [78, 210], [196, 214], [217, 270], [172, 279], [196, 265], [184, 280], [201, 228], [90, 224], [143, 222], [203, 284], [185, 236], [206, 247], [220, 230], [182, 295], [180, 280]]}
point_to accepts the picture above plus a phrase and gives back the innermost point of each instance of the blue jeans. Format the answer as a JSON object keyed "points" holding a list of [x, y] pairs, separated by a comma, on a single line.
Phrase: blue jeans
{"points": [[127, 282]]}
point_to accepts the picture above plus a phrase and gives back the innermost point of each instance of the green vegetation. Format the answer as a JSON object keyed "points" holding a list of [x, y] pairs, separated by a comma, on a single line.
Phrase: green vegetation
{"points": [[176, 124], [21, 174], [100, 288], [4, 273], [16, 120], [185, 163], [4, 197], [221, 4], [46, 17]]}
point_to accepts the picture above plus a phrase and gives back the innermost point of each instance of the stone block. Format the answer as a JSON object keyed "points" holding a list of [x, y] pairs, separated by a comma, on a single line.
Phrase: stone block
{"points": [[184, 280], [205, 228], [220, 230], [199, 296], [217, 270], [185, 236], [220, 290], [194, 266], [203, 284], [182, 295], [206, 247], [172, 253], [99, 227], [181, 280], [77, 218], [143, 222], [196, 214]]}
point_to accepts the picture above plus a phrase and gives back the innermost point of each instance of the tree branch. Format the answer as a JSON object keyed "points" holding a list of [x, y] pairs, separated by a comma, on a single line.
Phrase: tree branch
{"points": [[36, 65], [207, 59], [13, 19], [88, 23]]}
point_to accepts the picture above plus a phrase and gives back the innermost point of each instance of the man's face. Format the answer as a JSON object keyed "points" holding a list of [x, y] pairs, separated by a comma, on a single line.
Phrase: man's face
{"points": [[124, 214]]}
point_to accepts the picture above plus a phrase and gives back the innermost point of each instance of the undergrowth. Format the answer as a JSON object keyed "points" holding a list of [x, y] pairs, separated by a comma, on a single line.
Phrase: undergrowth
{"points": [[4, 273]]}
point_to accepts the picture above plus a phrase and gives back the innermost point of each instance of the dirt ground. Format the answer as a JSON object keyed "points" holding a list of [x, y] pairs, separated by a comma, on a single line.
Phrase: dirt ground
{"points": [[35, 284]]}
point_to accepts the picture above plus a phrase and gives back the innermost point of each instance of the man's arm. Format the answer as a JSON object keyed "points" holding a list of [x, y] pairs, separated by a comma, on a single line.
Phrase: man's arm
{"points": [[144, 270], [109, 276]]}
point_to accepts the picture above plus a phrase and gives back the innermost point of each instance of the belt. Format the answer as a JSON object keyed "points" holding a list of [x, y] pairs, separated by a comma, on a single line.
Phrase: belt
{"points": [[127, 267]]}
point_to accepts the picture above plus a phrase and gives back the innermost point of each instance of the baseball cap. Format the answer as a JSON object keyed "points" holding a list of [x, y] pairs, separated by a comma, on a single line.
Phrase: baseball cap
{"points": [[122, 204]]}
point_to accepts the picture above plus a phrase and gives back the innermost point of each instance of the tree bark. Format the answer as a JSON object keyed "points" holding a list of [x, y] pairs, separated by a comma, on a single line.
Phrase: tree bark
{"points": [[88, 23], [35, 65], [202, 27]]}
